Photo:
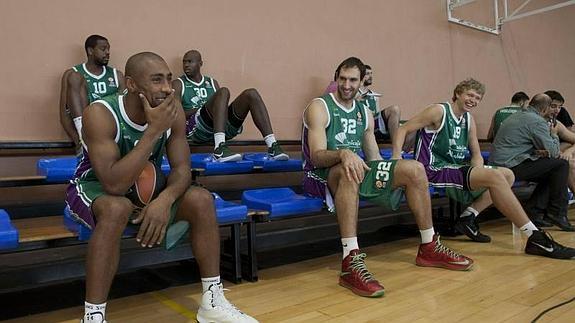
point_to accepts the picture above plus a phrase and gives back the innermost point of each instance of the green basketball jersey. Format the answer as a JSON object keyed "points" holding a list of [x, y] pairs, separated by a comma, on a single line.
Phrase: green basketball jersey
{"points": [[99, 86], [501, 115], [128, 134], [345, 127], [371, 103], [449, 143], [195, 95]]}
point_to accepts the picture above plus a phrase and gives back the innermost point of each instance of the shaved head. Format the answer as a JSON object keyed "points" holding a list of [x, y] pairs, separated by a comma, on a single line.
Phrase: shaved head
{"points": [[193, 54], [140, 62]]}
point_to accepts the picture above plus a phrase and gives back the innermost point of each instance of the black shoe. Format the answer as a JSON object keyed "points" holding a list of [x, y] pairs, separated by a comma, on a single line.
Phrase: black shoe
{"points": [[468, 226], [561, 222], [541, 243]]}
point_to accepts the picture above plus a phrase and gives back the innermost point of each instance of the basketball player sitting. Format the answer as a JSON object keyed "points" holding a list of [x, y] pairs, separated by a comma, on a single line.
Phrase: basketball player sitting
{"points": [[122, 133], [336, 127], [447, 131], [86, 83], [210, 116]]}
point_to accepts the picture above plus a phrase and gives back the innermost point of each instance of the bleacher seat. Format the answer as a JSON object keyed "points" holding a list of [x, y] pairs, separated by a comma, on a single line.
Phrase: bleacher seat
{"points": [[8, 233], [83, 232], [281, 202], [269, 165], [211, 167], [57, 170], [227, 212]]}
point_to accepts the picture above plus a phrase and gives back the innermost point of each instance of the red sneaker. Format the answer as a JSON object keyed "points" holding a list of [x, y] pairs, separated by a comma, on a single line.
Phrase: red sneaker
{"points": [[434, 254], [355, 276]]}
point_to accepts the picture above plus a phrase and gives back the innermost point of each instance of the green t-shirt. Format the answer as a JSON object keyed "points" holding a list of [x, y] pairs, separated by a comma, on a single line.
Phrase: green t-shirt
{"points": [[501, 115]]}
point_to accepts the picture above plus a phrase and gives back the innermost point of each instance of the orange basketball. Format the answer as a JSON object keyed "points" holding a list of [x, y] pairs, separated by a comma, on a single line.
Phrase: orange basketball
{"points": [[149, 184]]}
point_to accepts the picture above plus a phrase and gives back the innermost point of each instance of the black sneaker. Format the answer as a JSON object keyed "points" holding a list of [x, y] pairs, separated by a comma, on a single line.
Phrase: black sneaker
{"points": [[276, 152], [561, 222], [468, 226], [541, 243], [223, 154]]}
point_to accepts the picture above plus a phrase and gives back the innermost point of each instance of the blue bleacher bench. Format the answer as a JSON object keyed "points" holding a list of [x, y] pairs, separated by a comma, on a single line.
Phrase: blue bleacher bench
{"points": [[57, 170], [269, 165], [281, 202], [226, 212], [8, 233], [209, 166]]}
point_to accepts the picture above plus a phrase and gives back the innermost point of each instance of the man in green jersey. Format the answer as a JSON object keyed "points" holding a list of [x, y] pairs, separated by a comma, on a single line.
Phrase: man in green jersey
{"points": [[336, 127], [211, 118], [519, 101], [86, 83], [446, 132], [121, 134]]}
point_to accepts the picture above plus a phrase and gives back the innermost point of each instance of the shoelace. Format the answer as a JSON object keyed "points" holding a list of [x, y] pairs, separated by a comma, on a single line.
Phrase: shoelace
{"points": [[440, 248], [357, 263], [553, 243], [218, 299]]}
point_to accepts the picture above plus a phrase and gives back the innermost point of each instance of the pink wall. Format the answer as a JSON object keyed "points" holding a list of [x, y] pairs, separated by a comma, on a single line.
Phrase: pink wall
{"points": [[288, 50]]}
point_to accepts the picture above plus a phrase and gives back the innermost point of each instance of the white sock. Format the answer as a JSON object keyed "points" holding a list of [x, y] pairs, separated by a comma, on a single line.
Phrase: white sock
{"points": [[219, 137], [427, 235], [270, 139], [469, 211], [94, 313], [528, 229], [209, 281], [349, 244]]}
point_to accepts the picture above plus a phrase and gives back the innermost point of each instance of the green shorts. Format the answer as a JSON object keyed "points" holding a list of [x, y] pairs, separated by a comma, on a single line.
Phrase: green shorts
{"points": [[377, 185], [199, 132], [80, 196]]}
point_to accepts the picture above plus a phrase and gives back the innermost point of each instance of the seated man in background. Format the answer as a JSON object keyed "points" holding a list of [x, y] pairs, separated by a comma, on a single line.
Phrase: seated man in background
{"points": [[336, 127], [528, 146], [447, 132], [86, 83], [122, 133], [519, 101], [562, 115], [211, 118]]}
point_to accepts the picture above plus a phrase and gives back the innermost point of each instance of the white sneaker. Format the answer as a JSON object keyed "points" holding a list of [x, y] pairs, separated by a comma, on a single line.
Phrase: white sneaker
{"points": [[82, 321], [215, 308]]}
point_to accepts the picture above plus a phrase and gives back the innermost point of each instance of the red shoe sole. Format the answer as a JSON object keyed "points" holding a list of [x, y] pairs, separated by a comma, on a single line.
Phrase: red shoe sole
{"points": [[423, 263], [360, 292]]}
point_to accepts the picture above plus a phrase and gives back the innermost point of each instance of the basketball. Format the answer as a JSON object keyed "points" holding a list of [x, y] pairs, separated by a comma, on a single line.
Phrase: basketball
{"points": [[148, 185]]}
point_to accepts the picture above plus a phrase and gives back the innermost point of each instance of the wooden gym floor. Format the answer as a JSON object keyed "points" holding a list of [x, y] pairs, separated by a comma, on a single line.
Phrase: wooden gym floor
{"points": [[504, 286]]}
